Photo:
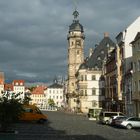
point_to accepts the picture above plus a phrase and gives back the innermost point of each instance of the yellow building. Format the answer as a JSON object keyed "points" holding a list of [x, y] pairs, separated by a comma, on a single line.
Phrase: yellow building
{"points": [[136, 74], [38, 97]]}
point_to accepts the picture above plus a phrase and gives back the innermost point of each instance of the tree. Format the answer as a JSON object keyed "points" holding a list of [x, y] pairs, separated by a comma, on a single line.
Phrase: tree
{"points": [[51, 102], [27, 98], [10, 110]]}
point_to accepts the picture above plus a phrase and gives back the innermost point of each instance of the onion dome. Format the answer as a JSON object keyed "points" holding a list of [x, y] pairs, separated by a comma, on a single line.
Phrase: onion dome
{"points": [[76, 26]]}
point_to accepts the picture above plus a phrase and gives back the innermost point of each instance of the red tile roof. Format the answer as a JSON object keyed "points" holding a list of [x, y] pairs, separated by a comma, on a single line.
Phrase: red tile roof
{"points": [[39, 89], [8, 87], [18, 82], [1, 78]]}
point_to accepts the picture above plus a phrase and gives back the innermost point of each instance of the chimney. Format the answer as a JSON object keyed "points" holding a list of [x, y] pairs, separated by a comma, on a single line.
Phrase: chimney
{"points": [[106, 34]]}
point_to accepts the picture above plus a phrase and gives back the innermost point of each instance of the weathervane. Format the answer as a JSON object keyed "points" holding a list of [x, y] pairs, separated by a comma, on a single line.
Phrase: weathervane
{"points": [[75, 13]]}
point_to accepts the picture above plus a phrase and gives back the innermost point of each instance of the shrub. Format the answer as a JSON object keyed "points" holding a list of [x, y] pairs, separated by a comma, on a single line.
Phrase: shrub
{"points": [[10, 110]]}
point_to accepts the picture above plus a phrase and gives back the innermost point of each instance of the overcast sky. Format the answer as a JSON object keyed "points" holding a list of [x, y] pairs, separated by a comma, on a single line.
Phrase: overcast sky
{"points": [[33, 33]]}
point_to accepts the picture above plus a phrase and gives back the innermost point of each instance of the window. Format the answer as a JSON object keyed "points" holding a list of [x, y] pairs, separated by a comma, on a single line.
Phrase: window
{"points": [[72, 43], [82, 78], [138, 65], [78, 42], [81, 92], [78, 52], [93, 77], [102, 52], [135, 67], [85, 92], [139, 85], [93, 91], [21, 84], [85, 77], [28, 110], [135, 86], [99, 58]]}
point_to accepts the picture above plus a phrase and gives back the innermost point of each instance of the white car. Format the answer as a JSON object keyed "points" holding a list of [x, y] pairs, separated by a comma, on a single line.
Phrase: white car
{"points": [[113, 119], [129, 123]]}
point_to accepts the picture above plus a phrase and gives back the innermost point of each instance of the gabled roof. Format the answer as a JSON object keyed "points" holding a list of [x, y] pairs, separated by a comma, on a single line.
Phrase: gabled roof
{"points": [[18, 82], [39, 89], [100, 52], [8, 87]]}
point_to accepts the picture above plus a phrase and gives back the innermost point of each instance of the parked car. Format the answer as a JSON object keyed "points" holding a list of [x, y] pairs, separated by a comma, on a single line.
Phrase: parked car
{"points": [[105, 116], [32, 113], [129, 123], [113, 119]]}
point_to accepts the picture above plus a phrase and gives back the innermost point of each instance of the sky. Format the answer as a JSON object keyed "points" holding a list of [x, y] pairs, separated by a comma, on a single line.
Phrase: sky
{"points": [[33, 33]]}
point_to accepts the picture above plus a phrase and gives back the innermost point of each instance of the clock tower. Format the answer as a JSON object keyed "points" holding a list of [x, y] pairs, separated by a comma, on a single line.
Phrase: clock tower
{"points": [[75, 51]]}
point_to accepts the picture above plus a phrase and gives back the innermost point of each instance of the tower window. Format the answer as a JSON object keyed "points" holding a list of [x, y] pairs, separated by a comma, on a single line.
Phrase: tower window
{"points": [[78, 52], [78, 42], [72, 43]]}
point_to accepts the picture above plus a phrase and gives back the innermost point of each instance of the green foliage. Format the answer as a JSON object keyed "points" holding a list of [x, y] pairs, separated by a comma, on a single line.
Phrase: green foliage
{"points": [[10, 110], [27, 99], [31, 88], [51, 102]]}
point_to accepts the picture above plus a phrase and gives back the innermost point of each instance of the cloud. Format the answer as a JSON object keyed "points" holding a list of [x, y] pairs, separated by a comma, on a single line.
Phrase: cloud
{"points": [[33, 33]]}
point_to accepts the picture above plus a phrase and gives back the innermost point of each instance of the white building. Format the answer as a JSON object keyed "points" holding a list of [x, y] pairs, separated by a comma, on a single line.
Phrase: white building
{"points": [[90, 89], [55, 92], [19, 88], [124, 62]]}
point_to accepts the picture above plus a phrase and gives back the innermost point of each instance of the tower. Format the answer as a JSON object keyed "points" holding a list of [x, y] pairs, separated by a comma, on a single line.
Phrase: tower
{"points": [[75, 51]]}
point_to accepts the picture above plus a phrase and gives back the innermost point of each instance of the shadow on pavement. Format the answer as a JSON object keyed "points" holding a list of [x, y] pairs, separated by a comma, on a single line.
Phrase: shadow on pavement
{"points": [[35, 131]]}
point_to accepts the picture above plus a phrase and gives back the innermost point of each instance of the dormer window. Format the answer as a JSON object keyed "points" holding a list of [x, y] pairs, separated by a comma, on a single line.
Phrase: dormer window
{"points": [[99, 58], [16, 83], [21, 84], [102, 52]]}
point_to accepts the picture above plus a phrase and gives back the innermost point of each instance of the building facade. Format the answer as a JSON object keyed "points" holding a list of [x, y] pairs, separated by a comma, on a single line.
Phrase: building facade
{"points": [[89, 89], [19, 88], [136, 74], [38, 97], [124, 64], [90, 79], [56, 93]]}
